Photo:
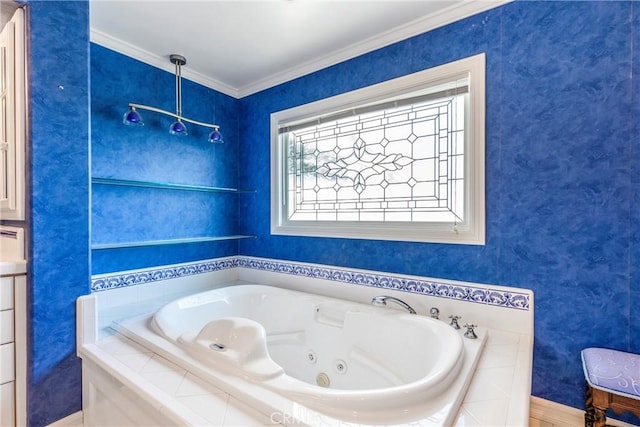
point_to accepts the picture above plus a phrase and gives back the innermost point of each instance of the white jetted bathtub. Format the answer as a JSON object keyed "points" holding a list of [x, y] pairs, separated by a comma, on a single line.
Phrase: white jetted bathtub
{"points": [[351, 361]]}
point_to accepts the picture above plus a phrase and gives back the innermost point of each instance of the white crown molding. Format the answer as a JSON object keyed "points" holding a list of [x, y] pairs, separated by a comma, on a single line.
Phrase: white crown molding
{"points": [[158, 61], [455, 12], [446, 16]]}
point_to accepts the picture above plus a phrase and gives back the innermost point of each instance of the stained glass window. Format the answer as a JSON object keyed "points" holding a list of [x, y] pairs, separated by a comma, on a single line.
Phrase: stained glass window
{"points": [[396, 164], [401, 160]]}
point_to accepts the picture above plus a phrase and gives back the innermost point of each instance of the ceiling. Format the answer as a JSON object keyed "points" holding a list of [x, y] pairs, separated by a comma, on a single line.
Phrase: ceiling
{"points": [[240, 47]]}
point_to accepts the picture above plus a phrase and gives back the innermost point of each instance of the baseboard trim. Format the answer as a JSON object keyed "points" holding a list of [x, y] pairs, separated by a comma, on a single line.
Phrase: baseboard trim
{"points": [[73, 420], [559, 414]]}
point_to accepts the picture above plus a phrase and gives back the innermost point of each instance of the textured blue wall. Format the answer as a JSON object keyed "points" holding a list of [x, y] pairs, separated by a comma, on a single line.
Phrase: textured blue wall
{"points": [[561, 133], [562, 183], [149, 153], [59, 216], [634, 326]]}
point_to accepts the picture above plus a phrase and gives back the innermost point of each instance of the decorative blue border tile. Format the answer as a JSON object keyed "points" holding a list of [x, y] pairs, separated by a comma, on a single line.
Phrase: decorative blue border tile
{"points": [[501, 298], [107, 282], [496, 297]]}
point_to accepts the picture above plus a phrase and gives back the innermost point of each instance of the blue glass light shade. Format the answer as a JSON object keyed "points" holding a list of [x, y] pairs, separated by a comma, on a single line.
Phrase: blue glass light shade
{"points": [[215, 137], [132, 118], [178, 128]]}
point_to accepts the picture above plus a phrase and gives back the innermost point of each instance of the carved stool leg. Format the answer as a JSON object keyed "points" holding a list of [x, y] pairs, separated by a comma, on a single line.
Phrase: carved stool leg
{"points": [[593, 416]]}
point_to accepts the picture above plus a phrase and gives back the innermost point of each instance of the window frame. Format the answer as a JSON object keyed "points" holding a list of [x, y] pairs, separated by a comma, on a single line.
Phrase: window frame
{"points": [[471, 231]]}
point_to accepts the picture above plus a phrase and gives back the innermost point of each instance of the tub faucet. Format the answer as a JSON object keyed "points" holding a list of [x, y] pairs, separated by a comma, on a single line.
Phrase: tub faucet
{"points": [[454, 321], [382, 300], [470, 333]]}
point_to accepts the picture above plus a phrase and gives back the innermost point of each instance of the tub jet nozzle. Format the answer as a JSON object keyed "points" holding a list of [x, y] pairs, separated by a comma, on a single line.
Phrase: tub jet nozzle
{"points": [[217, 347]]}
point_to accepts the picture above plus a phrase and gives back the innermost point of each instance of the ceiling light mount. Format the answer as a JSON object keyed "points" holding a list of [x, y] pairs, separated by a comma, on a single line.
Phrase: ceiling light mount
{"points": [[177, 59], [132, 117]]}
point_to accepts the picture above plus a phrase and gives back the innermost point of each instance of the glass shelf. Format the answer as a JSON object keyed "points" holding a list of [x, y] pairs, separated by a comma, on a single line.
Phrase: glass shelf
{"points": [[166, 242], [166, 186]]}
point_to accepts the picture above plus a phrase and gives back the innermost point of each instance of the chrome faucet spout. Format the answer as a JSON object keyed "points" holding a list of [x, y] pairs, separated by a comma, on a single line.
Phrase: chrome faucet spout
{"points": [[382, 300]]}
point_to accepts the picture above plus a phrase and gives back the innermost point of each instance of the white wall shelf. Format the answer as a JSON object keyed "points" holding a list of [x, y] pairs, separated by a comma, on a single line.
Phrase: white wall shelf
{"points": [[165, 186], [122, 245]]}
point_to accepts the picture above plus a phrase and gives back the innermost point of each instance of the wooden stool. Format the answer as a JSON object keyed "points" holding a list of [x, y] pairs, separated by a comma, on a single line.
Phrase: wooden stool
{"points": [[613, 381]]}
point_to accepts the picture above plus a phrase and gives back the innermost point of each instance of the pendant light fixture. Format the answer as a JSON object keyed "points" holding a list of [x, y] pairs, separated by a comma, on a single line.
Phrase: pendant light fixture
{"points": [[133, 118]]}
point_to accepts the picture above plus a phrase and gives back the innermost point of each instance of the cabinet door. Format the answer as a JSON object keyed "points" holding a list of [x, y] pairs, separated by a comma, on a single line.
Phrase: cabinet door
{"points": [[7, 404], [12, 118]]}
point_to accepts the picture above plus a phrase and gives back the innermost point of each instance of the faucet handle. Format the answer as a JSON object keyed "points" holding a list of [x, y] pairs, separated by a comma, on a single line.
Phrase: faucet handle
{"points": [[470, 333], [434, 312], [454, 321]]}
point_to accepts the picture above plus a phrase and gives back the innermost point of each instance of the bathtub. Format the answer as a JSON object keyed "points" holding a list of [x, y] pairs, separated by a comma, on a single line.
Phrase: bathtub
{"points": [[350, 361]]}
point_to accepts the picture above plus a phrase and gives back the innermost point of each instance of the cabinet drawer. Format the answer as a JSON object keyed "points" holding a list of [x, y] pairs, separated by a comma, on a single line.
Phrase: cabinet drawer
{"points": [[7, 363], [6, 327], [7, 404], [6, 293]]}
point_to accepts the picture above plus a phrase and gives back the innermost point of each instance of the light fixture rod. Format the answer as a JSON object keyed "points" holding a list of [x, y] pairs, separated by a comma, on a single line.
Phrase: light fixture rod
{"points": [[179, 61], [167, 113]]}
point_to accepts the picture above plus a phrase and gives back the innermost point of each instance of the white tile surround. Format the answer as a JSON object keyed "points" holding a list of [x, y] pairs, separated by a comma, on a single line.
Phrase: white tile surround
{"points": [[499, 393]]}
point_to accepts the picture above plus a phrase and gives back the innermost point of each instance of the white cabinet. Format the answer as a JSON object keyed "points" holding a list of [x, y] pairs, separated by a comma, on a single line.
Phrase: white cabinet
{"points": [[7, 352], [13, 327], [12, 118]]}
